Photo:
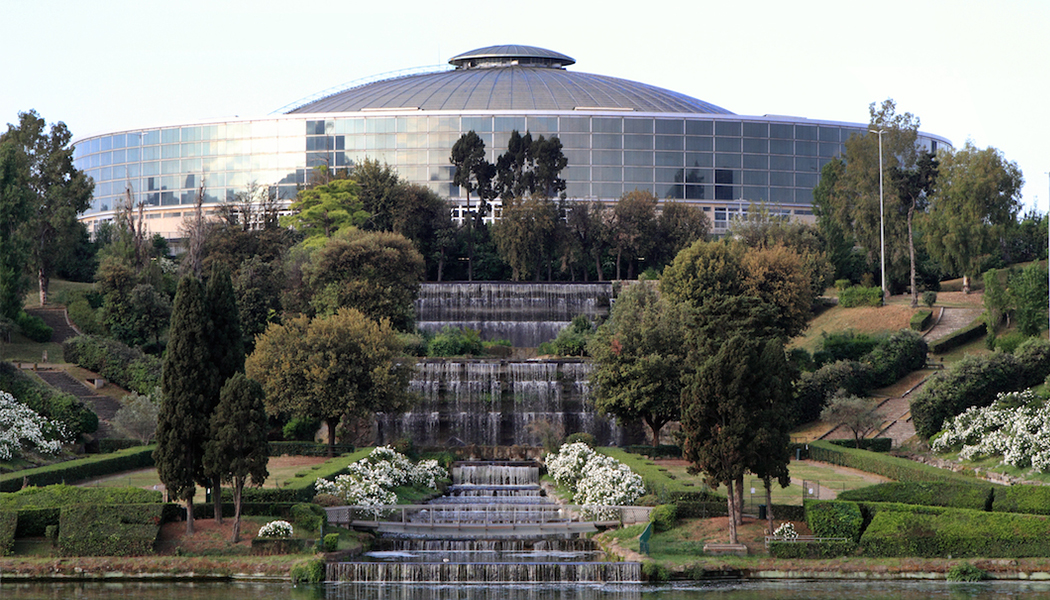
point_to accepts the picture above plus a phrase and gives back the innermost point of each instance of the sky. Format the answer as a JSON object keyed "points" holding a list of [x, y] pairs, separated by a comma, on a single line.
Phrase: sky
{"points": [[971, 70]]}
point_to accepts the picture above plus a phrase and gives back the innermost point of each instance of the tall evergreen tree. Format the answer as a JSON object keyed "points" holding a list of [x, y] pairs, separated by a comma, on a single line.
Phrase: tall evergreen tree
{"points": [[227, 349], [186, 380], [15, 197], [237, 448]]}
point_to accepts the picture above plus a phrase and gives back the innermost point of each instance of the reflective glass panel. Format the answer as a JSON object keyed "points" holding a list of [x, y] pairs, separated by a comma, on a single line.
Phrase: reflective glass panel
{"points": [[576, 173], [639, 158], [806, 165], [543, 124], [151, 137], [669, 142], [723, 144], [806, 132], [575, 140], [756, 146], [829, 150], [607, 141], [169, 136], [760, 130], [781, 163], [638, 174], [637, 125], [669, 159], [699, 127], [509, 124], [699, 144], [699, 159], [607, 173], [781, 131], [607, 158], [729, 161], [727, 128], [756, 161], [607, 125], [803, 196], [755, 194], [670, 175], [608, 190], [756, 178], [781, 147], [574, 124], [806, 180], [829, 134], [670, 126], [478, 124], [637, 141], [806, 148], [781, 178]]}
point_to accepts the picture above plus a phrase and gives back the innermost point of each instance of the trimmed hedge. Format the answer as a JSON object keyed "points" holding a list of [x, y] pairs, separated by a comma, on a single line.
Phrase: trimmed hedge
{"points": [[870, 444], [661, 451], [307, 449], [860, 296], [899, 469], [65, 495], [271, 546], [8, 524], [920, 321], [80, 469], [834, 519], [1028, 499], [974, 496], [33, 522], [702, 510], [125, 366], [957, 532], [810, 549], [965, 335], [109, 530]]}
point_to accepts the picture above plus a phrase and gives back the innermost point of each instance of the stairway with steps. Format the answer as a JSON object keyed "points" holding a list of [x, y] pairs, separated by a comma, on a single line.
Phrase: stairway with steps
{"points": [[103, 406]]}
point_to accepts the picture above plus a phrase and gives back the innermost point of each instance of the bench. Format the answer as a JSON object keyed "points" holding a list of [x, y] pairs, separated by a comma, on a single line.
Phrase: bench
{"points": [[719, 549]]}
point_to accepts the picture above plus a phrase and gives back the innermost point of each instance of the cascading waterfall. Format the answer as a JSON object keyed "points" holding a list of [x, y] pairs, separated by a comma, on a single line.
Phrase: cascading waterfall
{"points": [[506, 492]]}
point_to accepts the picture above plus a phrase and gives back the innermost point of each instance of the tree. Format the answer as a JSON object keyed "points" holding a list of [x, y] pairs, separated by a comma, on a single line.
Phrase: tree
{"points": [[182, 426], [851, 412], [378, 186], [723, 403], [677, 227], [525, 234], [237, 448], [585, 227], [474, 174], [321, 211], [914, 186], [15, 200], [378, 273], [633, 228], [342, 366], [854, 200], [150, 311], [258, 290], [703, 272], [639, 355], [776, 276], [60, 191], [977, 195], [1028, 288], [226, 343], [138, 416]]}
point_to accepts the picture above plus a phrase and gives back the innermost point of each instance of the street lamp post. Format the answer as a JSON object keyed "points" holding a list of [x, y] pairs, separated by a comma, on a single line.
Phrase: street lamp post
{"points": [[882, 218]]}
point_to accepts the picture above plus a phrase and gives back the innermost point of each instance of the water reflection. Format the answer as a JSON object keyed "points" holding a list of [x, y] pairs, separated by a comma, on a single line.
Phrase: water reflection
{"points": [[778, 590]]}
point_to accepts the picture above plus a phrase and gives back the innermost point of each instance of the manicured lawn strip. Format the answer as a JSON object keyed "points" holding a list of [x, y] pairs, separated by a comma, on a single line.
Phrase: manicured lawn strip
{"points": [[974, 496], [899, 469], [80, 469], [957, 533], [300, 488], [657, 481]]}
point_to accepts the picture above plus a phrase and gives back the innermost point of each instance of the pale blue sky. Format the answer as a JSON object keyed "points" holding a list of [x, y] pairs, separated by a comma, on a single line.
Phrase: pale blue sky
{"points": [[969, 69]]}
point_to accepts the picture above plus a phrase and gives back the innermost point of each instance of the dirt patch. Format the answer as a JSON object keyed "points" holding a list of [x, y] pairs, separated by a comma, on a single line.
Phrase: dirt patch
{"points": [[208, 536], [279, 462], [752, 533]]}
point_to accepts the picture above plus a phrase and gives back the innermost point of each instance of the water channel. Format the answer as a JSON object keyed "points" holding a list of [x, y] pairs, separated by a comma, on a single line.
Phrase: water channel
{"points": [[734, 590]]}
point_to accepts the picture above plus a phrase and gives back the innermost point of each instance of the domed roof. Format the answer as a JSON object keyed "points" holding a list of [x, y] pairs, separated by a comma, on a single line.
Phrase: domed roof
{"points": [[509, 78]]}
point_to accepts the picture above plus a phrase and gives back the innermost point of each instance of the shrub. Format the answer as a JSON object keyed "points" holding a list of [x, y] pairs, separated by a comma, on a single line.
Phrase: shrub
{"points": [[843, 345], [34, 328], [583, 437], [276, 529], [834, 519], [920, 321], [309, 571], [8, 524], [841, 284], [571, 340], [810, 549], [300, 429], [109, 530], [664, 517], [956, 532], [654, 571], [309, 517], [80, 469], [84, 317], [973, 381], [126, 367], [974, 496], [1008, 342], [870, 444], [895, 357], [895, 468], [73, 414], [860, 296], [1027, 499], [929, 298], [966, 572], [967, 334], [813, 389], [331, 542], [1033, 354], [455, 342]]}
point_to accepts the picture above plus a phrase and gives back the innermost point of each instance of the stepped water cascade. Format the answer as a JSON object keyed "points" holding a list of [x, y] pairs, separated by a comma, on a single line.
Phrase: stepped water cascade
{"points": [[495, 525]]}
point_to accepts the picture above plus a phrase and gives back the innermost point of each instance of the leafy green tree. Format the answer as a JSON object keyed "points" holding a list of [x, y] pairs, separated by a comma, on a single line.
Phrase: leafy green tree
{"points": [[137, 418], [914, 187], [237, 448], [257, 286], [633, 228], [677, 227], [838, 244], [60, 192], [182, 426], [378, 185], [530, 167], [526, 233], [703, 272], [639, 355], [977, 196], [777, 276], [998, 300], [150, 311], [377, 273], [342, 366], [474, 174], [15, 202], [321, 211], [586, 238], [851, 412], [1029, 290]]}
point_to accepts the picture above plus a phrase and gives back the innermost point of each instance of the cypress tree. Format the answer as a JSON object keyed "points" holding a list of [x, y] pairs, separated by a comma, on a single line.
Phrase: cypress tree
{"points": [[186, 379], [226, 343], [237, 448]]}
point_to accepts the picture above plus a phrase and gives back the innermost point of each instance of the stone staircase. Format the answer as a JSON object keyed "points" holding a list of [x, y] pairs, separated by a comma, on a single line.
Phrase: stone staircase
{"points": [[103, 406], [55, 318]]}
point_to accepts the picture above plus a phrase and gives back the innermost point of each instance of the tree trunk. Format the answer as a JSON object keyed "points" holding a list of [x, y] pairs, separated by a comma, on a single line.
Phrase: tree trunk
{"points": [[966, 284], [470, 242], [598, 267], [216, 497], [911, 252], [44, 282], [739, 516], [332, 424], [189, 511], [618, 254], [768, 483], [238, 485], [656, 432], [731, 500]]}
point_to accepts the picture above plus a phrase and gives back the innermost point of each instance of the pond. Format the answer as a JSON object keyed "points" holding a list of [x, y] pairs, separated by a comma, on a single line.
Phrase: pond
{"points": [[737, 590]]}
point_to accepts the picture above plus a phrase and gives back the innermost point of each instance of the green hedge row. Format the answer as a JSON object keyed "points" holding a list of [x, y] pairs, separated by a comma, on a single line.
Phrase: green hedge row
{"points": [[898, 469], [957, 533], [109, 530], [80, 469], [1028, 499], [834, 519], [921, 320], [48, 402], [701, 510], [965, 335], [661, 451], [125, 366], [811, 549], [974, 496], [860, 296], [301, 487], [870, 444], [8, 524], [270, 546], [307, 449], [57, 496]]}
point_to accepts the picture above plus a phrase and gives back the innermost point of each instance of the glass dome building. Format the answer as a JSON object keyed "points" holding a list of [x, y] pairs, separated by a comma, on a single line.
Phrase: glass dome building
{"points": [[618, 135]]}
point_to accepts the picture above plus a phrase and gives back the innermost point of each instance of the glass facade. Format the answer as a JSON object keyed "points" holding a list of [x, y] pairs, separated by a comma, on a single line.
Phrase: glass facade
{"points": [[718, 161]]}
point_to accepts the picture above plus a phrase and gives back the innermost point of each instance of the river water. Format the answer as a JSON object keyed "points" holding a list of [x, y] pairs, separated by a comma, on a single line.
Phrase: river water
{"points": [[748, 590]]}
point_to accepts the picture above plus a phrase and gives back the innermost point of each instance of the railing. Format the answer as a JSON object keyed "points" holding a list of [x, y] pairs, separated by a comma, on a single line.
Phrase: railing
{"points": [[493, 514], [643, 540], [802, 539]]}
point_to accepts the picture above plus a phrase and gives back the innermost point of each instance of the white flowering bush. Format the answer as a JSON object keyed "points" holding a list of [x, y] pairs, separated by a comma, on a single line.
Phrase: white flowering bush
{"points": [[1015, 427], [595, 479], [276, 529], [371, 480], [786, 531], [21, 427]]}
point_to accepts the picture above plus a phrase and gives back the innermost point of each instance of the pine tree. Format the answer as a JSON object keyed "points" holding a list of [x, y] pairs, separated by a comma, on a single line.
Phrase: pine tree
{"points": [[186, 378], [237, 448], [227, 350], [15, 198]]}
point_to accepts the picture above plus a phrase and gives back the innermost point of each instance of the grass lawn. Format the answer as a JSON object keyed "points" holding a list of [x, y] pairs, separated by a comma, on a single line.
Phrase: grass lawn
{"points": [[22, 349], [862, 319], [57, 290]]}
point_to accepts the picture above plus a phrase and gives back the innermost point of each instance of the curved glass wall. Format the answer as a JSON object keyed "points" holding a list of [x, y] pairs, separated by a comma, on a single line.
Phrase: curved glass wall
{"points": [[723, 163]]}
